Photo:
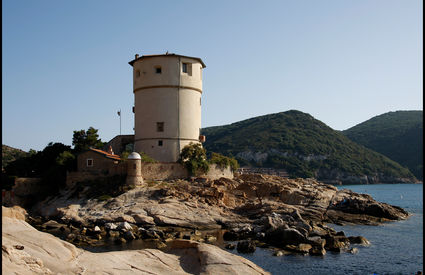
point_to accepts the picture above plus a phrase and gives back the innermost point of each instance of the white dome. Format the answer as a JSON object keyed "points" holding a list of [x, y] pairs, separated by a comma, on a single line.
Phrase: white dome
{"points": [[134, 155]]}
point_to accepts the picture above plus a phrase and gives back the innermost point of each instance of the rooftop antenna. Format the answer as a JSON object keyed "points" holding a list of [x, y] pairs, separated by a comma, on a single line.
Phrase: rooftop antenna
{"points": [[119, 114]]}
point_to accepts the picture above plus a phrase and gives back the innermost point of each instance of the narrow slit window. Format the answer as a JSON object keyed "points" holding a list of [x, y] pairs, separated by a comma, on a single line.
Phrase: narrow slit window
{"points": [[184, 67], [89, 162], [137, 73]]}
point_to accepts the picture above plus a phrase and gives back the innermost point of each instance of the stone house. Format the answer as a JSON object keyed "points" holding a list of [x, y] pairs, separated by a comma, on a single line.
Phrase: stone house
{"points": [[96, 161]]}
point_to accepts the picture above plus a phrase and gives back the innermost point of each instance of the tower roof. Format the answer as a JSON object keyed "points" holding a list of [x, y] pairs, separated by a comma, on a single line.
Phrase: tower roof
{"points": [[165, 55], [134, 155]]}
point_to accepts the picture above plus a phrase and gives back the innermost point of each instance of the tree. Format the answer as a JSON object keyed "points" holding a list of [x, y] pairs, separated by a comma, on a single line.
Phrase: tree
{"points": [[194, 158], [83, 140]]}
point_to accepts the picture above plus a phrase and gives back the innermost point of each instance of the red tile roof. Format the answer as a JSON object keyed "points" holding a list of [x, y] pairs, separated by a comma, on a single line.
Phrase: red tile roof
{"points": [[106, 154]]}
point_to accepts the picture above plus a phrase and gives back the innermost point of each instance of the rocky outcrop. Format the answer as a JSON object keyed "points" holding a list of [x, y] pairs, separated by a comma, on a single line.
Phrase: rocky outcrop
{"points": [[280, 212], [28, 251]]}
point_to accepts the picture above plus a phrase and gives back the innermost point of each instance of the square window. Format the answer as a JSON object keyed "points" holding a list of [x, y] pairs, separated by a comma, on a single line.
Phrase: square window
{"points": [[158, 70], [89, 162], [160, 126], [159, 142]]}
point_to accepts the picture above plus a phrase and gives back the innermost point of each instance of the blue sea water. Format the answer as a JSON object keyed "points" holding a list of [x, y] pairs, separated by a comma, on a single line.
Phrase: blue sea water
{"points": [[396, 247]]}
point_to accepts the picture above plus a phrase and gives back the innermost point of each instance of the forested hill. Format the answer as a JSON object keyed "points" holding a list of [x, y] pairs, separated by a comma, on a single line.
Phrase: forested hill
{"points": [[9, 154], [304, 146], [397, 135]]}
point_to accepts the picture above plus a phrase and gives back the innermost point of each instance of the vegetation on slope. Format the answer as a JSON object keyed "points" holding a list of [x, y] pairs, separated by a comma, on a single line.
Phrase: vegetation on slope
{"points": [[52, 163], [397, 135], [10, 154], [302, 145]]}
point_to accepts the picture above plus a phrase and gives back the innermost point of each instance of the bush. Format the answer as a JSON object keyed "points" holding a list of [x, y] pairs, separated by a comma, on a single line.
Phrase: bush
{"points": [[194, 158], [146, 158], [224, 162], [104, 198]]}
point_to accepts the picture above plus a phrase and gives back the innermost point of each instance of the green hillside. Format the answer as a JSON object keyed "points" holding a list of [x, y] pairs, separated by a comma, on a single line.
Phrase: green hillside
{"points": [[9, 154], [302, 145], [397, 135]]}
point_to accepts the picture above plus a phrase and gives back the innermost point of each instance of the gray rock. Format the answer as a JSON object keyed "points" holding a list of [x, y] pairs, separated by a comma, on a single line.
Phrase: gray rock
{"points": [[110, 226], [129, 236], [124, 226], [246, 246], [353, 250], [359, 240]]}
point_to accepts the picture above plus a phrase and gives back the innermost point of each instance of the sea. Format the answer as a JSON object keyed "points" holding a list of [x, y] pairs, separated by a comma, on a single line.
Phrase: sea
{"points": [[396, 247]]}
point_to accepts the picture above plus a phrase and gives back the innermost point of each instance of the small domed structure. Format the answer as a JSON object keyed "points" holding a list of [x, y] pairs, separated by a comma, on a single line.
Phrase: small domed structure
{"points": [[134, 170], [134, 155]]}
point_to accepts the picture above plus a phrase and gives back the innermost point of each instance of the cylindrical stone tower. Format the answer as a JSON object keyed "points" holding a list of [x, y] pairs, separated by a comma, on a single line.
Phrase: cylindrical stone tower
{"points": [[134, 170], [167, 104]]}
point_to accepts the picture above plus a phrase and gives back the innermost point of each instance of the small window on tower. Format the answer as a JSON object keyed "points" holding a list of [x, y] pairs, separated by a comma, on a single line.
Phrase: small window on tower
{"points": [[89, 162], [158, 70], [137, 73], [160, 126], [187, 68], [159, 142]]}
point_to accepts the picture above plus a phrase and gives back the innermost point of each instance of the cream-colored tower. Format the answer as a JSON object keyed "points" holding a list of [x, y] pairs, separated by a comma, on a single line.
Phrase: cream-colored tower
{"points": [[167, 104]]}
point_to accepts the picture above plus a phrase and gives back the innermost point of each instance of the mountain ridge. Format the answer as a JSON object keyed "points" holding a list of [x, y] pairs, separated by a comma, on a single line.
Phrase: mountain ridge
{"points": [[304, 146], [397, 135]]}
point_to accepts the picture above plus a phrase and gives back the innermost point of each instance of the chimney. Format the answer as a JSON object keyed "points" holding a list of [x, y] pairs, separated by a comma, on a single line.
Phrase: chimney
{"points": [[110, 151], [136, 56]]}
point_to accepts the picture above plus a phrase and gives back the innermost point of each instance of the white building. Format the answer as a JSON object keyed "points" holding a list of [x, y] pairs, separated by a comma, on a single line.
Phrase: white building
{"points": [[167, 104]]}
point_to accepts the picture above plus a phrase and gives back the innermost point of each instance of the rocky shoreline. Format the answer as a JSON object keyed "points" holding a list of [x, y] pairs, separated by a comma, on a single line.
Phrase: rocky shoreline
{"points": [[26, 250], [286, 215]]}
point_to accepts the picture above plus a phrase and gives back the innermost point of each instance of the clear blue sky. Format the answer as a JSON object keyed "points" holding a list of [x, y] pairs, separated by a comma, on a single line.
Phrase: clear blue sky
{"points": [[65, 63]]}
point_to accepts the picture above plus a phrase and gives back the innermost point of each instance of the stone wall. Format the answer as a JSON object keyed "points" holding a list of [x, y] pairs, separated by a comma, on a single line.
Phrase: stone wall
{"points": [[151, 171], [163, 171], [216, 172], [74, 177], [119, 143], [21, 191]]}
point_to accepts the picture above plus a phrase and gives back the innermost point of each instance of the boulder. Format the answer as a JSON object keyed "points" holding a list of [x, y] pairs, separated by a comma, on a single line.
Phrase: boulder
{"points": [[110, 226], [317, 251], [359, 240], [143, 219], [52, 225], [337, 243], [353, 250], [283, 236], [230, 246], [300, 248], [246, 246], [129, 236], [230, 236], [124, 226]]}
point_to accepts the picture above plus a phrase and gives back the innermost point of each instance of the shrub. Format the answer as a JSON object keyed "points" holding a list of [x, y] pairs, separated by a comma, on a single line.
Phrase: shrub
{"points": [[194, 158], [146, 158], [104, 198], [224, 162]]}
